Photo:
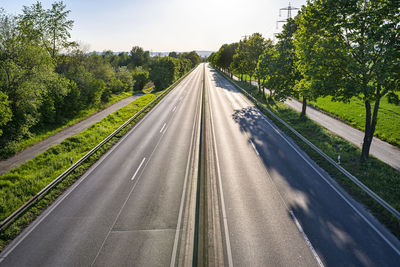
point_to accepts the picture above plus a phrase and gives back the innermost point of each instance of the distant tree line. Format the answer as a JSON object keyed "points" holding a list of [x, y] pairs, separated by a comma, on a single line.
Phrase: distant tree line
{"points": [[165, 70], [342, 49], [46, 80]]}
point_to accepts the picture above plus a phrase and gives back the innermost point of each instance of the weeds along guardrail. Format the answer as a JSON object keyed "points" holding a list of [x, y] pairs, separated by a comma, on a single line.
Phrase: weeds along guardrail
{"points": [[62, 176], [354, 179]]}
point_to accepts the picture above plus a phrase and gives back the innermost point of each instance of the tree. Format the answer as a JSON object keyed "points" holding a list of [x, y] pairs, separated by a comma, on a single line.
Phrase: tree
{"points": [[255, 48], [5, 111], [351, 49], [162, 72], [212, 59], [141, 78], [192, 56], [185, 65], [100, 68], [139, 57], [25, 68], [58, 27], [248, 52], [50, 27], [173, 54], [224, 57], [125, 76], [277, 65], [123, 59], [239, 64]]}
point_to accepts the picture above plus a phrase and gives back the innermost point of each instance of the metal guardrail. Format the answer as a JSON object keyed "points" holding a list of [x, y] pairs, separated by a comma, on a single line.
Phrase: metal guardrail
{"points": [[354, 179], [42, 192]]}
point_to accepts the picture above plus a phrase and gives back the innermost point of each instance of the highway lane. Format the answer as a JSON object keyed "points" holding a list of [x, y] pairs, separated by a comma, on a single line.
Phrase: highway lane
{"points": [[270, 187], [128, 208], [258, 225]]}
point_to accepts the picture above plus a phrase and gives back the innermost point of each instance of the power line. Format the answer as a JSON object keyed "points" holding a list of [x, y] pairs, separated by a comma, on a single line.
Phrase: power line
{"points": [[289, 9]]}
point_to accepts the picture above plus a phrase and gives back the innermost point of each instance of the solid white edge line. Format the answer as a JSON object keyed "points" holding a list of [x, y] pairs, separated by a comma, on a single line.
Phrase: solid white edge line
{"points": [[141, 163], [178, 226], [306, 238], [226, 230], [165, 124], [254, 147], [334, 188]]}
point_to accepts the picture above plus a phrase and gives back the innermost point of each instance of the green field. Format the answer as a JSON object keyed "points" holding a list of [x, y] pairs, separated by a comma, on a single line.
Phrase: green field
{"points": [[353, 113]]}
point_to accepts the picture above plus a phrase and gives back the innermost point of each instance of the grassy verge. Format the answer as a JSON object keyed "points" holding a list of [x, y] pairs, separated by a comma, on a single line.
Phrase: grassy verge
{"points": [[20, 184], [353, 113], [15, 147], [148, 90], [378, 176]]}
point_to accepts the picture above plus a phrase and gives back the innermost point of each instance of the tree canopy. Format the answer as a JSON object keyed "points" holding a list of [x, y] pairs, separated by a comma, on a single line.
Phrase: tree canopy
{"points": [[46, 79], [343, 49], [353, 52]]}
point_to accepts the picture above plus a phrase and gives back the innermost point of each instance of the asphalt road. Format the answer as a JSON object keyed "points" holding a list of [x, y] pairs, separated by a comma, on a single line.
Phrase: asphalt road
{"points": [[128, 209], [270, 204], [57, 138], [267, 182]]}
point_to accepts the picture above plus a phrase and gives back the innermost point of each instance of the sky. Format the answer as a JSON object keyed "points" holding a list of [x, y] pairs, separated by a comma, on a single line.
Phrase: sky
{"points": [[166, 25]]}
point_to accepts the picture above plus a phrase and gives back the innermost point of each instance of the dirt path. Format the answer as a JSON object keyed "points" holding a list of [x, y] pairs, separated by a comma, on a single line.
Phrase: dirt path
{"points": [[32, 151]]}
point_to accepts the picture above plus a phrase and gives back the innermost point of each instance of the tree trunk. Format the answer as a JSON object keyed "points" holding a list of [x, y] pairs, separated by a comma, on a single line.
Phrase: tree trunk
{"points": [[54, 43], [304, 107], [263, 89], [370, 124]]}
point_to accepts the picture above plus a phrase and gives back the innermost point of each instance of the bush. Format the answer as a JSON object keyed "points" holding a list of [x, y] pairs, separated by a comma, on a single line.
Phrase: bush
{"points": [[164, 71], [116, 86], [141, 78], [96, 89]]}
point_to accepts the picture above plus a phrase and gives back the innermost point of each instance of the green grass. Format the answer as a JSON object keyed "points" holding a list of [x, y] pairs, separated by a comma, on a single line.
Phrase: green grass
{"points": [[17, 146], [246, 77], [148, 90], [353, 113], [22, 183], [378, 176]]}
